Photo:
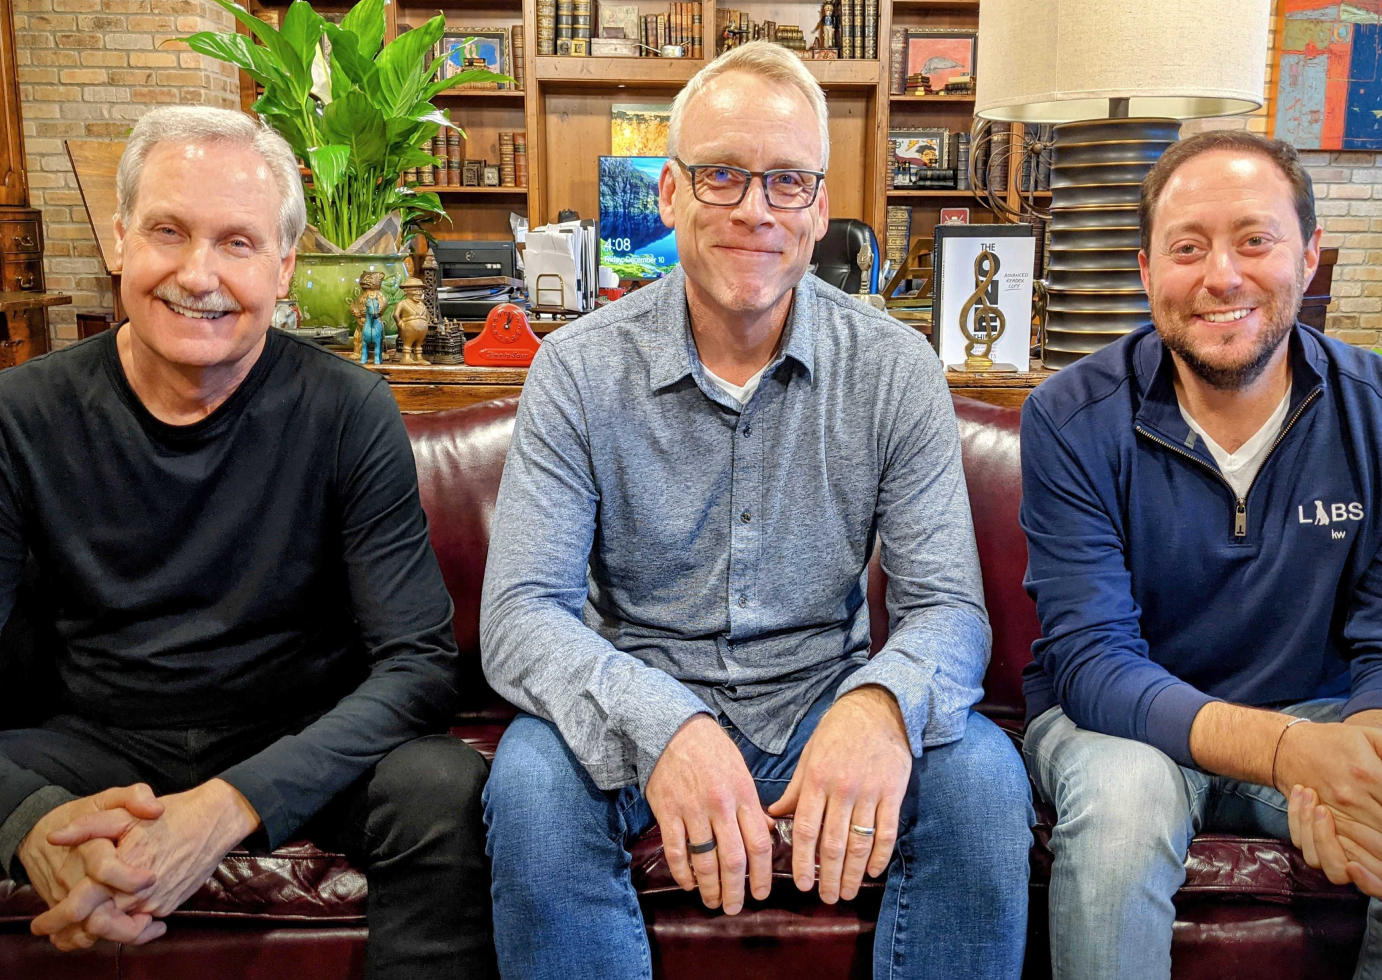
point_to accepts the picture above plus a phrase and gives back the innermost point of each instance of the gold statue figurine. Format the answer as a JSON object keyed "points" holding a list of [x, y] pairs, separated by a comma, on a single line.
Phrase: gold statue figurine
{"points": [[368, 312], [989, 322], [411, 316]]}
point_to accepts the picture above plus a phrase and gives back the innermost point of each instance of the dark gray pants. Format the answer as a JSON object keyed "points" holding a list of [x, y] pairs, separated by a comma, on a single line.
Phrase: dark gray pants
{"points": [[413, 823]]}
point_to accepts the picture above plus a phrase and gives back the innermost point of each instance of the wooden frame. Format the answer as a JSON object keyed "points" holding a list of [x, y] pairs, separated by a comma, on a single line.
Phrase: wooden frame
{"points": [[940, 34], [453, 38]]}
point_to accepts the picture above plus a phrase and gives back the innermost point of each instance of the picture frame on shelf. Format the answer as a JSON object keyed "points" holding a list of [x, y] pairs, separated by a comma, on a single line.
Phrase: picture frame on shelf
{"points": [[462, 46], [912, 152], [941, 53]]}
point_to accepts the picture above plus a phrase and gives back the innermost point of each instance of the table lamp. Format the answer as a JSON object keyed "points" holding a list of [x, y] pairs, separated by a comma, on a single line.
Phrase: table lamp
{"points": [[1116, 77]]}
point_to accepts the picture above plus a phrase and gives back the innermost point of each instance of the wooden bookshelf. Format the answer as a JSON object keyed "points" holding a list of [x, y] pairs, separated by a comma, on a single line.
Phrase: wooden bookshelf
{"points": [[565, 106]]}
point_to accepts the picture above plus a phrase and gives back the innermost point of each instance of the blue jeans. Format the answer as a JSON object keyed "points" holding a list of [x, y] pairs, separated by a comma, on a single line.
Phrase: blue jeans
{"points": [[955, 905], [1125, 816]]}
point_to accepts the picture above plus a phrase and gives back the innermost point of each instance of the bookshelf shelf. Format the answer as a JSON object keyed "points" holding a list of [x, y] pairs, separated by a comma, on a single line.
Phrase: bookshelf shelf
{"points": [[858, 73], [466, 191], [476, 95], [661, 72], [929, 192], [914, 99], [936, 5]]}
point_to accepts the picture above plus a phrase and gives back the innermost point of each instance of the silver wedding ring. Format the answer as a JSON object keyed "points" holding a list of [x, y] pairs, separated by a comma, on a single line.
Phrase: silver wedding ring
{"points": [[854, 828]]}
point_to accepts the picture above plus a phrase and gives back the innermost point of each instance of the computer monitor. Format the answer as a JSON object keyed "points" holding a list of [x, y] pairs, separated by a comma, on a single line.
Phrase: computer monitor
{"points": [[634, 243]]}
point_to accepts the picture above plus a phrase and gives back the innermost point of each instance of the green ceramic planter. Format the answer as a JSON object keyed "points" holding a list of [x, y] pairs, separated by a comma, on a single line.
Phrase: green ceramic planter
{"points": [[324, 286]]}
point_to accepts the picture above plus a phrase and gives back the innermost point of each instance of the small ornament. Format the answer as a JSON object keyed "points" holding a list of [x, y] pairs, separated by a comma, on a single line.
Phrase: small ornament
{"points": [[505, 341], [368, 311], [411, 316]]}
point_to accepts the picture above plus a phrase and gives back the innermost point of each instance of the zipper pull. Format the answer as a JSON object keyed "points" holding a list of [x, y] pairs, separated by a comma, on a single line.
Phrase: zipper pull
{"points": [[1240, 519]]}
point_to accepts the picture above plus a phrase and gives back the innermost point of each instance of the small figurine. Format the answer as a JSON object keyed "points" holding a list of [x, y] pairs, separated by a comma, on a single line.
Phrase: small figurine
{"points": [[368, 311], [411, 316], [286, 314]]}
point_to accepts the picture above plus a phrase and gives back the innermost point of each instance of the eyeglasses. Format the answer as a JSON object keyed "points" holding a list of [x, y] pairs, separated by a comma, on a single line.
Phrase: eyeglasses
{"points": [[724, 187]]}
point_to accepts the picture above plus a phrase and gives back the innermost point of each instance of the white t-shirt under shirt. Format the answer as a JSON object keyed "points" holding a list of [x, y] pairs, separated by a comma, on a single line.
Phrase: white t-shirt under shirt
{"points": [[1239, 468], [740, 393]]}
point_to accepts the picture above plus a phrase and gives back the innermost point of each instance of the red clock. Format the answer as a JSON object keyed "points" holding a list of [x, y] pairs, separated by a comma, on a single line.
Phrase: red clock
{"points": [[505, 341]]}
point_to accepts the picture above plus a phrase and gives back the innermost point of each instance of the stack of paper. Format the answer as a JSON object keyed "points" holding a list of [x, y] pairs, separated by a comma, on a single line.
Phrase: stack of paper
{"points": [[561, 266]]}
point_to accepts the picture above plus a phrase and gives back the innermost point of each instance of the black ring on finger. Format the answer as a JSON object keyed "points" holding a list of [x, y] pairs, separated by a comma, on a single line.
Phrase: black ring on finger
{"points": [[703, 848]]}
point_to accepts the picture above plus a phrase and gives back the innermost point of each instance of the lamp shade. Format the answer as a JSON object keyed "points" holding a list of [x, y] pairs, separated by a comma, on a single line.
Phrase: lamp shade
{"points": [[1053, 61]]}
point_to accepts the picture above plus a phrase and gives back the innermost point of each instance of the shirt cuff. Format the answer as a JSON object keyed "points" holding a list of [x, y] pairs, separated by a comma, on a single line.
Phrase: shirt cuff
{"points": [[1168, 720], [1362, 701], [654, 717], [255, 784], [21, 820], [908, 682]]}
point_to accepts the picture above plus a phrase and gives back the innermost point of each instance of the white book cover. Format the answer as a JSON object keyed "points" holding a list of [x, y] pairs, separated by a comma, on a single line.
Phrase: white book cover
{"points": [[985, 276]]}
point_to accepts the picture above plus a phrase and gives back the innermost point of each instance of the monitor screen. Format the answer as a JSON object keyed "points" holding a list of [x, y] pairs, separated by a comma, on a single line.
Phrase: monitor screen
{"points": [[634, 243]]}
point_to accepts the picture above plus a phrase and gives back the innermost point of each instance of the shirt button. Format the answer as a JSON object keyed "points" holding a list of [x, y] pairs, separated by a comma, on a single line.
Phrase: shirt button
{"points": [[748, 430], [743, 599], [745, 517]]}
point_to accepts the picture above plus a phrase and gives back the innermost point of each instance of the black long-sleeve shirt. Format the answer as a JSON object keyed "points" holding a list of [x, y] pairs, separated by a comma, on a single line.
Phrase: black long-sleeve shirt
{"points": [[267, 562]]}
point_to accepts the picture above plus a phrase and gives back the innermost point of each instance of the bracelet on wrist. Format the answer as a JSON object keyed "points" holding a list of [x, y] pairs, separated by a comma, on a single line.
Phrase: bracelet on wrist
{"points": [[1277, 751]]}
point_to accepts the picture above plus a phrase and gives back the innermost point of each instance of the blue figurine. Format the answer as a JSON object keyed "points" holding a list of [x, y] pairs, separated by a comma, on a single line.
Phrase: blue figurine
{"points": [[368, 310]]}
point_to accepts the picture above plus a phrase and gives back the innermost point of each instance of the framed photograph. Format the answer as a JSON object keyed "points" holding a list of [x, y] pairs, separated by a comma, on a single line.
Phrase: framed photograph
{"points": [[912, 152], [465, 48], [941, 54]]}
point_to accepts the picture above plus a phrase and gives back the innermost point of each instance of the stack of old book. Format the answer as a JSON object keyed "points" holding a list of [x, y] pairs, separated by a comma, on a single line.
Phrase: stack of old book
{"points": [[507, 175], [859, 29], [546, 26], [520, 159], [681, 25], [899, 235], [958, 154]]}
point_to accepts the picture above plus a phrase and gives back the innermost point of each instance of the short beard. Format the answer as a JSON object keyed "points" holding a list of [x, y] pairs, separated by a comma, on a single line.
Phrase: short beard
{"points": [[1279, 314]]}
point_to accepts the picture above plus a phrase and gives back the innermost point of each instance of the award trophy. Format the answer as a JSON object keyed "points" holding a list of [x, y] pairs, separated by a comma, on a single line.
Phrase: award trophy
{"points": [[981, 321]]}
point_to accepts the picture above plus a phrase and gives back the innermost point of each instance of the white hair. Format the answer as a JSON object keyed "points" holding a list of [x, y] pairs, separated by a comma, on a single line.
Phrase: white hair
{"points": [[765, 59], [202, 124]]}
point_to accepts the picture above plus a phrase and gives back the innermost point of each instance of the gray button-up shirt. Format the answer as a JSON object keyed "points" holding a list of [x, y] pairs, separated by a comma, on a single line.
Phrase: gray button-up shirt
{"points": [[659, 550]]}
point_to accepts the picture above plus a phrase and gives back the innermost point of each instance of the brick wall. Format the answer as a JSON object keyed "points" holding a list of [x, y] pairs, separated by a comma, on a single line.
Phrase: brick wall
{"points": [[87, 70], [1348, 203]]}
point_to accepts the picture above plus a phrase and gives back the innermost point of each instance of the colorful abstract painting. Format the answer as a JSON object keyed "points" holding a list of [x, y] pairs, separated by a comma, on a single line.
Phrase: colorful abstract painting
{"points": [[1329, 74]]}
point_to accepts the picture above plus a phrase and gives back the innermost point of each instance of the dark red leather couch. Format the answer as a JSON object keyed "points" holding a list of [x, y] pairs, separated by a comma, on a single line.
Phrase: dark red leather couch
{"points": [[1250, 908]]}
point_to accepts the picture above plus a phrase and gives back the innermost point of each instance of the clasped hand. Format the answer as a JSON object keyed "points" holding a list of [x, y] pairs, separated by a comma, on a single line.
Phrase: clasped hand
{"points": [[140, 858], [1332, 774], [854, 770]]}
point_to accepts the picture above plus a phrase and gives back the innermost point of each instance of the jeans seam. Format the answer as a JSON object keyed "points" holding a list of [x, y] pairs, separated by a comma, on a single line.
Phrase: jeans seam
{"points": [[897, 913]]}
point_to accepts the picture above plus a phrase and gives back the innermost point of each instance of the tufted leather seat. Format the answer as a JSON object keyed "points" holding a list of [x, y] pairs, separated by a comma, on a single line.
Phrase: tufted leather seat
{"points": [[1249, 908]]}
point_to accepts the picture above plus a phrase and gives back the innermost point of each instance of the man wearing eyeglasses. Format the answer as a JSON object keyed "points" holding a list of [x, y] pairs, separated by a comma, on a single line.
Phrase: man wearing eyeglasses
{"points": [[676, 595]]}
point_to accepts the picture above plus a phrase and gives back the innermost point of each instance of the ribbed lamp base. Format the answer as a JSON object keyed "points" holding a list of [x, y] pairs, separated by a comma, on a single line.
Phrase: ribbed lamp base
{"points": [[1094, 287]]}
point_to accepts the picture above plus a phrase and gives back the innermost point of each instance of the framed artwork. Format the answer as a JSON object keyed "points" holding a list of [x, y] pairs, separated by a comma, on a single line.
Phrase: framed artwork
{"points": [[638, 130], [941, 53], [490, 44], [1327, 68], [912, 152]]}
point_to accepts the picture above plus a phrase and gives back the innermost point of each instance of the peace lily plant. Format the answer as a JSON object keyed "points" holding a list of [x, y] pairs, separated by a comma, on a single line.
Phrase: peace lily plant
{"points": [[357, 118]]}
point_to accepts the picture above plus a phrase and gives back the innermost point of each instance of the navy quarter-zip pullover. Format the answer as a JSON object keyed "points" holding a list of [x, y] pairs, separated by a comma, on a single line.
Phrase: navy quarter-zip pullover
{"points": [[1159, 588]]}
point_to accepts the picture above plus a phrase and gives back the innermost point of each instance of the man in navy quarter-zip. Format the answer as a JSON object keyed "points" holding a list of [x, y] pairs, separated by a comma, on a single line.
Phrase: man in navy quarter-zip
{"points": [[1199, 500]]}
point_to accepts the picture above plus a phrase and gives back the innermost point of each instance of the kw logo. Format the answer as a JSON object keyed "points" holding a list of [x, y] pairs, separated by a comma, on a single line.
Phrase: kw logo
{"points": [[1326, 514]]}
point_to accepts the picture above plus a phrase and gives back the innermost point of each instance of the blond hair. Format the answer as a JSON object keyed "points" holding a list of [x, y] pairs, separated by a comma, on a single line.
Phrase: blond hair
{"points": [[765, 59]]}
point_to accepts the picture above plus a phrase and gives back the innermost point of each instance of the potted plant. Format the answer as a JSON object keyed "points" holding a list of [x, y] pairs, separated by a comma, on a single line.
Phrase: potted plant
{"points": [[358, 113]]}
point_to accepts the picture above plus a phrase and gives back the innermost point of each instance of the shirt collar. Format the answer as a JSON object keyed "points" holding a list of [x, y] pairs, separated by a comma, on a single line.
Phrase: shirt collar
{"points": [[1155, 373], [674, 356]]}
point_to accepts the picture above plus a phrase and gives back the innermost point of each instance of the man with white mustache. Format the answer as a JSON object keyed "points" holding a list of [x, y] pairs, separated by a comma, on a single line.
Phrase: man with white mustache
{"points": [[1200, 504], [249, 628]]}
